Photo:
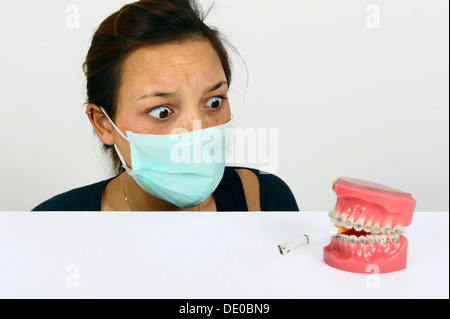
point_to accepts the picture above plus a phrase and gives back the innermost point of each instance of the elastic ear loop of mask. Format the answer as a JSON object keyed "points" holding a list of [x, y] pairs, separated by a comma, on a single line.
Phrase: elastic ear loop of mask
{"points": [[109, 119], [124, 164]]}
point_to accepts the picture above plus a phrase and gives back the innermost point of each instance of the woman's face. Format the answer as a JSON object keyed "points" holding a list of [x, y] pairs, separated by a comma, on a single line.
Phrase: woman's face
{"points": [[170, 87]]}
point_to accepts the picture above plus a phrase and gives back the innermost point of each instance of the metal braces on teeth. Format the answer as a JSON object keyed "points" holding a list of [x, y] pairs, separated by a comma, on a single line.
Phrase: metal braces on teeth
{"points": [[369, 239], [376, 229]]}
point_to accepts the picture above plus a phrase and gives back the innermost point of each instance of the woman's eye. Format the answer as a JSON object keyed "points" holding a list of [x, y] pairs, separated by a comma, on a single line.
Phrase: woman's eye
{"points": [[160, 112], [215, 102]]}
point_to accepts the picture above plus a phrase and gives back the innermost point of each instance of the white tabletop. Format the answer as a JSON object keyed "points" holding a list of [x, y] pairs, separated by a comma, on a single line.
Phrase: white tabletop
{"points": [[201, 255]]}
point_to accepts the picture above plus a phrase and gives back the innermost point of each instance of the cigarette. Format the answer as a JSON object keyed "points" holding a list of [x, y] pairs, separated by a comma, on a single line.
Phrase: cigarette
{"points": [[307, 239]]}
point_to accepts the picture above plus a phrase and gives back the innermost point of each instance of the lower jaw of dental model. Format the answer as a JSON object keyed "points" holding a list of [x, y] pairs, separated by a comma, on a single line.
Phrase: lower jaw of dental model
{"points": [[371, 219]]}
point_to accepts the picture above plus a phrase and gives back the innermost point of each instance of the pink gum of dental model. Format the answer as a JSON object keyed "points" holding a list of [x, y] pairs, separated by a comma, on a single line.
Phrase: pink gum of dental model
{"points": [[375, 216]]}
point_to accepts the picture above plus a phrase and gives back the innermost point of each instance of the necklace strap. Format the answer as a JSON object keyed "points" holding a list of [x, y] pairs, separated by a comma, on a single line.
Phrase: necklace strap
{"points": [[124, 194]]}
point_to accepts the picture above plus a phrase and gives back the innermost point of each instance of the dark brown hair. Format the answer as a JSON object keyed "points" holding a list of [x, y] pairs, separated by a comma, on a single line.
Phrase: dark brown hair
{"points": [[136, 25]]}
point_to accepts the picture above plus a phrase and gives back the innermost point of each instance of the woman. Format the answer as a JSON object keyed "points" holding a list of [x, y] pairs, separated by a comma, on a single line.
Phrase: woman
{"points": [[156, 75]]}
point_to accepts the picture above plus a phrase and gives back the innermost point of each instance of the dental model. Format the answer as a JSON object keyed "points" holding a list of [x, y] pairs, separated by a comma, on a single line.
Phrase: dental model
{"points": [[371, 219]]}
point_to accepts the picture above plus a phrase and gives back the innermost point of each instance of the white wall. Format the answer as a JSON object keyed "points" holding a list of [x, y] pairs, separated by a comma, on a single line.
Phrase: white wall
{"points": [[349, 97]]}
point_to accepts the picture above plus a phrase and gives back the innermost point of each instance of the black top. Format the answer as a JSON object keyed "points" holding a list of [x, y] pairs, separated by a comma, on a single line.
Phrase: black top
{"points": [[275, 195]]}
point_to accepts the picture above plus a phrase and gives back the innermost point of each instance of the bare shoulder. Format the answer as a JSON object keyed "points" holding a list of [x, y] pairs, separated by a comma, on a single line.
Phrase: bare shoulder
{"points": [[250, 183]]}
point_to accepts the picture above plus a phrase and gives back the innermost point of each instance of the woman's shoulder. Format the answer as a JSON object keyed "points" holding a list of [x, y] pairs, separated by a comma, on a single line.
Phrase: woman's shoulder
{"points": [[274, 194], [86, 198]]}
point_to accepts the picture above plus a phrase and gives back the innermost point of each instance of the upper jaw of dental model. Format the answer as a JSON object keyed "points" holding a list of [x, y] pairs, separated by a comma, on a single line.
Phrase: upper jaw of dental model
{"points": [[369, 209]]}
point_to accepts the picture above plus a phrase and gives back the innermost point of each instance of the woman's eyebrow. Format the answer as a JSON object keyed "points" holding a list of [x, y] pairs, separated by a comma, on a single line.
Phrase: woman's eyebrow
{"points": [[169, 94], [156, 94], [216, 87]]}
